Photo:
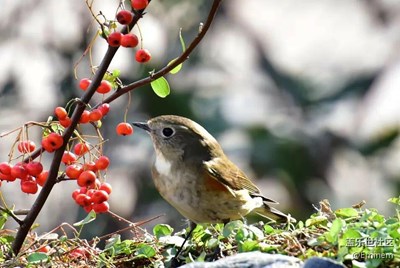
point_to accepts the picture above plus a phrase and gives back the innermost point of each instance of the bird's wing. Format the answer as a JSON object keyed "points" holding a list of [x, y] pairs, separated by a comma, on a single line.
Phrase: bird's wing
{"points": [[227, 173]]}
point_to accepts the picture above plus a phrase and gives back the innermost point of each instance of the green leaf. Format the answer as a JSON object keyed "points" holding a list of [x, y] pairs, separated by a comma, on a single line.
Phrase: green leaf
{"points": [[201, 257], [231, 227], [346, 212], [37, 257], [394, 200], [162, 230], [333, 233], [212, 243], [146, 251], [89, 218], [113, 241], [177, 68], [268, 229], [181, 39], [315, 220], [160, 86], [248, 245], [257, 232], [242, 234], [3, 219], [116, 73]]}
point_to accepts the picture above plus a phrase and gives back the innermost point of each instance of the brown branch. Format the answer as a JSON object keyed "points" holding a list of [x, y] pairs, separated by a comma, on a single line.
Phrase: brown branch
{"points": [[183, 57]]}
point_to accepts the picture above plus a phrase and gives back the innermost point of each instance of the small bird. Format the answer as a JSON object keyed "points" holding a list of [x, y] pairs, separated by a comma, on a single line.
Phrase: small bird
{"points": [[192, 173]]}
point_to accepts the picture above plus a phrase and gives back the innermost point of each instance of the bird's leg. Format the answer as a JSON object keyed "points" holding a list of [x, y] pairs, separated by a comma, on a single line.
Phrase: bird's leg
{"points": [[175, 262]]}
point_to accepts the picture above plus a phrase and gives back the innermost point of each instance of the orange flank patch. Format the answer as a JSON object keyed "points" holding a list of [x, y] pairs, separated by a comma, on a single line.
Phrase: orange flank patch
{"points": [[214, 185]]}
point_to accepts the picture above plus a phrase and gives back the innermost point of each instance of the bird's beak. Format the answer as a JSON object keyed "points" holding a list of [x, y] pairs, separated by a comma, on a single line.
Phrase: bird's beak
{"points": [[142, 125]]}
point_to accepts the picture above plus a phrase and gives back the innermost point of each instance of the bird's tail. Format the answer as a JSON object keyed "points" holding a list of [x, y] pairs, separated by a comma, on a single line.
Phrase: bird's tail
{"points": [[273, 214]]}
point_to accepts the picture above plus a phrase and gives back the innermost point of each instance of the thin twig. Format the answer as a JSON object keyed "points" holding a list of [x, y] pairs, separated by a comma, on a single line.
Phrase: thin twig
{"points": [[13, 214], [184, 56]]}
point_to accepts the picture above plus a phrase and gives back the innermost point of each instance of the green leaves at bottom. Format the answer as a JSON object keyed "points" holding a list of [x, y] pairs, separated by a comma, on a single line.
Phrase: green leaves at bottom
{"points": [[37, 257], [160, 86]]}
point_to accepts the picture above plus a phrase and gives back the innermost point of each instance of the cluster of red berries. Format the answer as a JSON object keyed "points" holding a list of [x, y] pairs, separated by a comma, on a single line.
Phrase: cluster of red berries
{"points": [[92, 194], [86, 117], [104, 87], [31, 175], [93, 198], [117, 39]]}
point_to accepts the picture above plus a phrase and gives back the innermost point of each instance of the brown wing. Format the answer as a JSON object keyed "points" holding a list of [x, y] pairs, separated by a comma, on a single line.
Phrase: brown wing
{"points": [[227, 173]]}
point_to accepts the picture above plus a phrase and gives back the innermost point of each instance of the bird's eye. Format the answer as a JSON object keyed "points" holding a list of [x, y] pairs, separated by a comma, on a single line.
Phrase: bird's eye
{"points": [[167, 132]]}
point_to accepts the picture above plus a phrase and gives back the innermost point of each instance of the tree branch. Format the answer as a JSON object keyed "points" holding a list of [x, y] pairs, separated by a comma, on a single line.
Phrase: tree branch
{"points": [[183, 57]]}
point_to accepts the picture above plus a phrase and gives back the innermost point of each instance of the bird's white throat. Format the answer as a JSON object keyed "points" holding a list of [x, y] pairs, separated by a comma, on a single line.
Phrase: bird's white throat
{"points": [[162, 165]]}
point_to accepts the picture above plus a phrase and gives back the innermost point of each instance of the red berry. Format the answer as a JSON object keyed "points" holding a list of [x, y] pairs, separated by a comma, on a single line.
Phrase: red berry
{"points": [[29, 186], [79, 252], [102, 163], [124, 129], [26, 146], [81, 148], [99, 196], [65, 122], [106, 187], [88, 208], [5, 168], [84, 83], [61, 113], [124, 17], [104, 87], [101, 208], [42, 178], [142, 55], [34, 168], [95, 115], [47, 146], [52, 142], [104, 108], [86, 178], [114, 39], [90, 166], [83, 200], [73, 171], [85, 117], [68, 158], [139, 4], [5, 172], [95, 185], [19, 172], [129, 40], [44, 249], [75, 193]]}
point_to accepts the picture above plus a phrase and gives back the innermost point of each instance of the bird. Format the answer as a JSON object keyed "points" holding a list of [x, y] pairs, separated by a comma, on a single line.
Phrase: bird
{"points": [[193, 174]]}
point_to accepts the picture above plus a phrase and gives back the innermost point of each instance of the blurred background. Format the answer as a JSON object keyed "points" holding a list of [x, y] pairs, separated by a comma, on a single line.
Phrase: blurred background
{"points": [[303, 96]]}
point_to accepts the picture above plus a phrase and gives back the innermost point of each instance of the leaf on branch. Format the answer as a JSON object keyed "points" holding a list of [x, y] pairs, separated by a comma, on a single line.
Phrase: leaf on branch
{"points": [[89, 218], [182, 41], [160, 86], [177, 68]]}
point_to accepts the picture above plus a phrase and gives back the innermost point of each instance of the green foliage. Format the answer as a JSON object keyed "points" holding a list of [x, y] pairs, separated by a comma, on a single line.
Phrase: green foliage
{"points": [[354, 236], [160, 86]]}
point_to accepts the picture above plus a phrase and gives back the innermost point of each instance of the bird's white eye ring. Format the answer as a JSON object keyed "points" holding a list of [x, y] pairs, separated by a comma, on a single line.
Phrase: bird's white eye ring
{"points": [[167, 132]]}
